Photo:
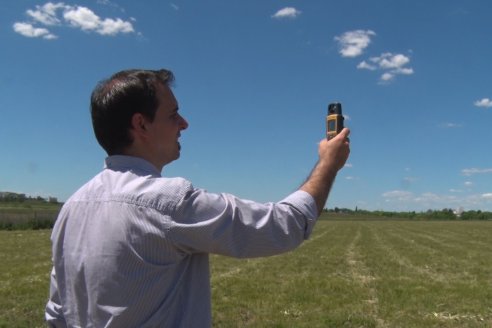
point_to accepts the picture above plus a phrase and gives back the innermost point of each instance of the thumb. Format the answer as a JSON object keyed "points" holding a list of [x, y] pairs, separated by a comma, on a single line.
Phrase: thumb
{"points": [[343, 134]]}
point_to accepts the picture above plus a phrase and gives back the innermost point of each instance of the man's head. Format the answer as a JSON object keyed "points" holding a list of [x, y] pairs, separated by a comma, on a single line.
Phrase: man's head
{"points": [[134, 112]]}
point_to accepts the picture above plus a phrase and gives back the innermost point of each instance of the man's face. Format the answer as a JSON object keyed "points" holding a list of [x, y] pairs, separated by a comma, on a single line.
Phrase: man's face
{"points": [[165, 130]]}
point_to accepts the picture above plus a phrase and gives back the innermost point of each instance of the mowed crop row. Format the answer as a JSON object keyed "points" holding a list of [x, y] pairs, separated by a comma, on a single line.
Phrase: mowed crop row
{"points": [[348, 274], [364, 274]]}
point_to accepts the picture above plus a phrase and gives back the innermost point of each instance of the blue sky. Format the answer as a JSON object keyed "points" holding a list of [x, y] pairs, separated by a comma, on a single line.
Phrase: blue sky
{"points": [[253, 79]]}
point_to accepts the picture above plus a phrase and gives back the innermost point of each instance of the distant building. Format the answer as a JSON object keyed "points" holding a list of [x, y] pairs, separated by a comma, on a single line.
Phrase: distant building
{"points": [[458, 211], [7, 195], [52, 199]]}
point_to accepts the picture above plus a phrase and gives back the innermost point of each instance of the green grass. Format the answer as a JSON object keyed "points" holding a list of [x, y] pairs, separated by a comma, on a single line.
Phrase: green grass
{"points": [[364, 274], [349, 274], [30, 214], [24, 277], [30, 205]]}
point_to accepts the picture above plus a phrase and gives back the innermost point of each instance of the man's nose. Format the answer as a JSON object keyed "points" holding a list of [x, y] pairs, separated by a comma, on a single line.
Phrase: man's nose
{"points": [[183, 124]]}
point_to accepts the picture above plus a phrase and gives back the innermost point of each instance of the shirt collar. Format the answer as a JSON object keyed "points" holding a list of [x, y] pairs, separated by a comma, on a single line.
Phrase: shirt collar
{"points": [[130, 163]]}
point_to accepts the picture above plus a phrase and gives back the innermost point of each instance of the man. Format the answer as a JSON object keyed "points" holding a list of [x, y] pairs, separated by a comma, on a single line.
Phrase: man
{"points": [[130, 248]]}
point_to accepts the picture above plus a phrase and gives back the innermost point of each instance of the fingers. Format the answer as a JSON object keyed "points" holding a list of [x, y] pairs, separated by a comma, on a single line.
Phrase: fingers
{"points": [[343, 135], [345, 132]]}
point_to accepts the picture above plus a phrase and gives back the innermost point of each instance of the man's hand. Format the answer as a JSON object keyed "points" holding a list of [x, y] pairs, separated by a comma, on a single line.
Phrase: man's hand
{"points": [[333, 154], [335, 151]]}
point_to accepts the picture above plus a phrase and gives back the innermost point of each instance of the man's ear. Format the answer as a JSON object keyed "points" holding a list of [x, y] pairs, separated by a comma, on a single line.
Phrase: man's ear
{"points": [[138, 124]]}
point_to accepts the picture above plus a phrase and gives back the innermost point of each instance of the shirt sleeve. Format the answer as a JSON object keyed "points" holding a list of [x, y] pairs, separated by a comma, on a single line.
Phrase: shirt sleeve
{"points": [[53, 312], [227, 225]]}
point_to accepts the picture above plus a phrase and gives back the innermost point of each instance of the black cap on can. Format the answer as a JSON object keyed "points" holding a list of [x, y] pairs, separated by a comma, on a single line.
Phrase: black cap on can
{"points": [[335, 108]]}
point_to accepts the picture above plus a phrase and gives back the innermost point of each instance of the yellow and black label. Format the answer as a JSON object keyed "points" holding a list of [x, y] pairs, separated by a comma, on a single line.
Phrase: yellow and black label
{"points": [[334, 124]]}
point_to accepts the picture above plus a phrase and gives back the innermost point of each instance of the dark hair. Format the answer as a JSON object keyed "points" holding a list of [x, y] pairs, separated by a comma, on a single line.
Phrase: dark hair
{"points": [[114, 102]]}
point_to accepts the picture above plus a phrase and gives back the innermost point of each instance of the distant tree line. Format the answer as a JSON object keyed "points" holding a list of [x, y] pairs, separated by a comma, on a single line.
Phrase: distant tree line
{"points": [[6, 196], [18, 211], [444, 214]]}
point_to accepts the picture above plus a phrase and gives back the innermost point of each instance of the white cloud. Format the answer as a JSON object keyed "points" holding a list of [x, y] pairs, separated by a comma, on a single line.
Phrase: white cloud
{"points": [[110, 4], [427, 200], [391, 64], [485, 102], [46, 14], [429, 197], [287, 12], [391, 61], [399, 199], [387, 77], [353, 43], [472, 171], [398, 195], [449, 125], [111, 27], [87, 20], [456, 197], [83, 18], [365, 65], [405, 71], [30, 31], [51, 14]]}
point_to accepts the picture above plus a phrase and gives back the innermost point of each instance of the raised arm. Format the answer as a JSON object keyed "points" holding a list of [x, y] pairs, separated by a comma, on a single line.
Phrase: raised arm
{"points": [[333, 154]]}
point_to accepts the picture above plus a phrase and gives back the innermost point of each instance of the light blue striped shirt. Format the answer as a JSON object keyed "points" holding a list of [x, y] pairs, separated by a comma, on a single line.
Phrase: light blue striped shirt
{"points": [[130, 248]]}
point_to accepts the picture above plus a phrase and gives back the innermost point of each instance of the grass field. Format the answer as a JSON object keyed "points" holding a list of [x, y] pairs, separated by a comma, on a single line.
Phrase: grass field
{"points": [[27, 214], [349, 274]]}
